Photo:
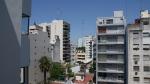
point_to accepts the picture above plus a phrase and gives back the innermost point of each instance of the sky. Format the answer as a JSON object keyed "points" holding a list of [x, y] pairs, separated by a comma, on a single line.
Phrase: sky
{"points": [[82, 14]]}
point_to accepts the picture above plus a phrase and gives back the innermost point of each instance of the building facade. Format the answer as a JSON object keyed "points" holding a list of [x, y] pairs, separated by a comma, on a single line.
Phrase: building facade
{"points": [[73, 53], [39, 47], [87, 42], [12, 45], [139, 50], [61, 29], [110, 45]]}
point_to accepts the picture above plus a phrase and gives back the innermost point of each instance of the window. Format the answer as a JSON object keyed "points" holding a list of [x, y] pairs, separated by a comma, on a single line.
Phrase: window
{"points": [[147, 80], [135, 62], [25, 24], [145, 23], [136, 79], [22, 75], [136, 68], [109, 21], [146, 34], [136, 73], [147, 68], [146, 58], [146, 49], [135, 48]]}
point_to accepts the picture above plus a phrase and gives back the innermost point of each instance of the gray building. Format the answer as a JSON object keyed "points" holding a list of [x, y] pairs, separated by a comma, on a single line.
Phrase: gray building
{"points": [[110, 57], [14, 19], [139, 50], [39, 47]]}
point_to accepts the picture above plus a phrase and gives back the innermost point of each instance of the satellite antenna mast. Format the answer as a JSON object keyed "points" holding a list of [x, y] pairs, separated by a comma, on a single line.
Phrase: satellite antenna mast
{"points": [[59, 14], [83, 24]]}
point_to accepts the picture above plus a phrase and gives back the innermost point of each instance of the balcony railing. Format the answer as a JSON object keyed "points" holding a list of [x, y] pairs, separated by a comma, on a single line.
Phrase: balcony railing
{"points": [[105, 42], [100, 60], [111, 70], [112, 80], [112, 32], [111, 52]]}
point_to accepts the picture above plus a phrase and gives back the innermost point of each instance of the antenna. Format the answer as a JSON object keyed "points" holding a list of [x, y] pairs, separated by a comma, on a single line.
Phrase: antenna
{"points": [[59, 14], [83, 24]]}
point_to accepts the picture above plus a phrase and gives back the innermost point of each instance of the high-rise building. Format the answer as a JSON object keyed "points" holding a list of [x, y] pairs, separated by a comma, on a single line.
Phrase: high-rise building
{"points": [[73, 53], [39, 47], [61, 29], [139, 50], [110, 59], [87, 42], [14, 18]]}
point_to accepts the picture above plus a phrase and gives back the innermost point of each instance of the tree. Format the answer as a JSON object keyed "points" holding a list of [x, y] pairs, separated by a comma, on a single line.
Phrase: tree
{"points": [[92, 68], [44, 66], [57, 71]]}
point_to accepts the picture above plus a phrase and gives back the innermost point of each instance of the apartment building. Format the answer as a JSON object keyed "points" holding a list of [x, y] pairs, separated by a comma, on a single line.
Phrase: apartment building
{"points": [[139, 50], [61, 29], [73, 53], [12, 43], [110, 57], [39, 47], [80, 55], [87, 42]]}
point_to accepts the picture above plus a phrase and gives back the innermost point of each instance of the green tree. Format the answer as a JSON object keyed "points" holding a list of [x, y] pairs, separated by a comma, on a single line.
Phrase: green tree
{"points": [[44, 66], [57, 71], [92, 68]]}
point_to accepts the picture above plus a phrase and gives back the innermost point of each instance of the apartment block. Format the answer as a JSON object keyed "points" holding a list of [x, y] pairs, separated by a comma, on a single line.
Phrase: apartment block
{"points": [[110, 46], [14, 17], [39, 47], [87, 42], [80, 55], [73, 53], [61, 29], [139, 50]]}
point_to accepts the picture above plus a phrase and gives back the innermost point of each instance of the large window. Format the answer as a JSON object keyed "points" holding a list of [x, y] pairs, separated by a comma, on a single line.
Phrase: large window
{"points": [[25, 24], [147, 68]]}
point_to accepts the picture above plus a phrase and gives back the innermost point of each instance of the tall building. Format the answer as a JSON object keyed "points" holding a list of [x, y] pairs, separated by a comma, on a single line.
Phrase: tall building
{"points": [[139, 50], [14, 17], [110, 59], [87, 42], [61, 29], [39, 47], [73, 53]]}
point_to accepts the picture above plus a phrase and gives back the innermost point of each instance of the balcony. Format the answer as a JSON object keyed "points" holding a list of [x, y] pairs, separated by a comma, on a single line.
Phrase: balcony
{"points": [[111, 52], [110, 80], [120, 61], [112, 32], [110, 70], [106, 42]]}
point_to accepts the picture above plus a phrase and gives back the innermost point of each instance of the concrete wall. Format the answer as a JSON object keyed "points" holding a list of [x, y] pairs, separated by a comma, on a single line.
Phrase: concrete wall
{"points": [[39, 47], [10, 23], [10, 44]]}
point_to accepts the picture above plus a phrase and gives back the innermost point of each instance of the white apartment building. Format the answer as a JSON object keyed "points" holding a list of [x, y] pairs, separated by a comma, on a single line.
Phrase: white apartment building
{"points": [[81, 55], [139, 50], [87, 42], [110, 45], [61, 29], [39, 47]]}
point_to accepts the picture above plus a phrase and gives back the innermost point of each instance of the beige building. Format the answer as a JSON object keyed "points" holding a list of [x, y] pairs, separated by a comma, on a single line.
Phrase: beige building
{"points": [[61, 29], [139, 50], [80, 56]]}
